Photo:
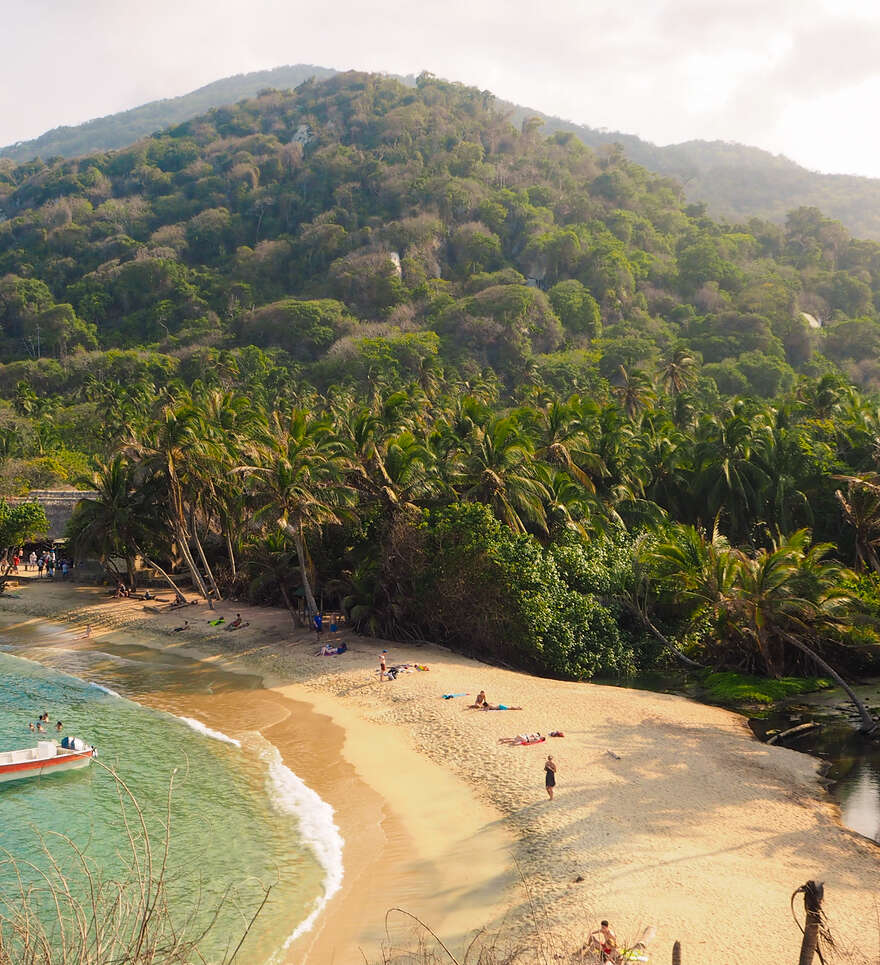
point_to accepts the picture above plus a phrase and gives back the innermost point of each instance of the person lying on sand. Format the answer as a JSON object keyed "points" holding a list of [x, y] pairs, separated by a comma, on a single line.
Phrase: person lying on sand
{"points": [[184, 627], [522, 739], [326, 651], [217, 622], [498, 707], [236, 623]]}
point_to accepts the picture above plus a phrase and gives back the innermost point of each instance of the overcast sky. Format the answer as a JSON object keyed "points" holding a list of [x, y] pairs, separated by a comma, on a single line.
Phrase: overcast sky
{"points": [[797, 77]]}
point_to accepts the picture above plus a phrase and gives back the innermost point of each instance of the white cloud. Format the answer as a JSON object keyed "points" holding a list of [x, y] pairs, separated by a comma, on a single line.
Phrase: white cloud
{"points": [[770, 74]]}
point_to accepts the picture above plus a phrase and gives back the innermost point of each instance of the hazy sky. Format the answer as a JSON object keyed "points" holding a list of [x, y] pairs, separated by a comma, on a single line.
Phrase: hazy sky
{"points": [[798, 77]]}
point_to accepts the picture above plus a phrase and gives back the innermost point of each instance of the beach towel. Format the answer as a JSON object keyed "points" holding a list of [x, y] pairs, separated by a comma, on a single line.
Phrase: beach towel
{"points": [[217, 622], [450, 696]]}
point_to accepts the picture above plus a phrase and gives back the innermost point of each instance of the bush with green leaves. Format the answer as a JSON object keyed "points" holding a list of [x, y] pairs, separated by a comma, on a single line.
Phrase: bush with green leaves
{"points": [[484, 590]]}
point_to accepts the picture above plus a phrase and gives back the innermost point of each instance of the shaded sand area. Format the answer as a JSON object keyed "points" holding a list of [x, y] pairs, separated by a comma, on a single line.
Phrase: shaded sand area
{"points": [[667, 812]]}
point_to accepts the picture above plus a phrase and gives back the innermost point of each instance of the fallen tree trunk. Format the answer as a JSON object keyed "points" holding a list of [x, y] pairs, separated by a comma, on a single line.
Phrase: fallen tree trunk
{"points": [[793, 730]]}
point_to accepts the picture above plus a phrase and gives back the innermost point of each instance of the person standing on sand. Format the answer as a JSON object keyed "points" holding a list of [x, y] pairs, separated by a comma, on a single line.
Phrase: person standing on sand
{"points": [[383, 667], [549, 775]]}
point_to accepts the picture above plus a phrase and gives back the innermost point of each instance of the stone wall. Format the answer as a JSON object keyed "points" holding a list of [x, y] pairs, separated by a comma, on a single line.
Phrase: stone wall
{"points": [[58, 505]]}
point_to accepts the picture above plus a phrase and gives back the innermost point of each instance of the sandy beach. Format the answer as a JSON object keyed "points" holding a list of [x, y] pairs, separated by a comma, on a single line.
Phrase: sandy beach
{"points": [[667, 812]]}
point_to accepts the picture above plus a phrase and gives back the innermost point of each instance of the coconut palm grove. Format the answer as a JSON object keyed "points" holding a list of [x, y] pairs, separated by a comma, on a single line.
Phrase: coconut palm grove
{"points": [[369, 346]]}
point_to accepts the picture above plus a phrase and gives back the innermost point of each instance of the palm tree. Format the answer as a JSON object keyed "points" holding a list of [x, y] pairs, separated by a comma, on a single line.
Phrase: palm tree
{"points": [[665, 459], [678, 371], [122, 520], [564, 442], [301, 484], [784, 596], [633, 391], [729, 476], [269, 562], [861, 509], [172, 450], [498, 469]]}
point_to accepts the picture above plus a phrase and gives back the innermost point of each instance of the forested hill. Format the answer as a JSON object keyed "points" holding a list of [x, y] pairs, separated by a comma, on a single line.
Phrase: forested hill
{"points": [[737, 181], [484, 386], [361, 217], [125, 127], [733, 180]]}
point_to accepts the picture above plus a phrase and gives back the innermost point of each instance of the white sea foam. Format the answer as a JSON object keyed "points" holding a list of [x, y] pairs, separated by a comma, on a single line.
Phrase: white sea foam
{"points": [[107, 690], [203, 729], [317, 826]]}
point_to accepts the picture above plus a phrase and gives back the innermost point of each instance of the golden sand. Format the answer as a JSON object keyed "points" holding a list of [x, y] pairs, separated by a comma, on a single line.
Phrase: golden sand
{"points": [[667, 812]]}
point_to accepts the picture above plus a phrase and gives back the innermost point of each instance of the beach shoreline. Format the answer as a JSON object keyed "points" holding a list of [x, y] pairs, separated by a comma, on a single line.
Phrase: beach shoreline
{"points": [[667, 813]]}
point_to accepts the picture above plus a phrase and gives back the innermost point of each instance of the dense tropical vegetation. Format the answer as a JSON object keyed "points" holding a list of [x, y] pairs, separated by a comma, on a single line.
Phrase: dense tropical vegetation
{"points": [[732, 180], [371, 344]]}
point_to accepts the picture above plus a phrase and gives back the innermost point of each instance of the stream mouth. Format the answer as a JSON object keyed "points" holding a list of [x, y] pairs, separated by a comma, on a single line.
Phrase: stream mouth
{"points": [[853, 759]]}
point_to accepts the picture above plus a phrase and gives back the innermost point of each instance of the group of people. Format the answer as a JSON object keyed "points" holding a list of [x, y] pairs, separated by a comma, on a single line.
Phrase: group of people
{"points": [[42, 724], [50, 561]]}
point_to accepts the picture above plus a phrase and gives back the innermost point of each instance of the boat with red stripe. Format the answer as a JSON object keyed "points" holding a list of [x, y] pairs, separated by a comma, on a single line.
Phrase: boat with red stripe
{"points": [[48, 757]]}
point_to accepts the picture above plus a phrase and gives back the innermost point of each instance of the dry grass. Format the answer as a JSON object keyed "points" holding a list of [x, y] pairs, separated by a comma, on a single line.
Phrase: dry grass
{"points": [[76, 915]]}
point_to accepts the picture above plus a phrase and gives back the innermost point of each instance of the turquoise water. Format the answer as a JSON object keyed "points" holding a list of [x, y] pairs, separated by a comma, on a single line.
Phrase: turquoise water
{"points": [[235, 830]]}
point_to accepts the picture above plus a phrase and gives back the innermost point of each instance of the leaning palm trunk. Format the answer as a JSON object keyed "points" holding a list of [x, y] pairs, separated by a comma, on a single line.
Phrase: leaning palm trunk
{"points": [[869, 725], [230, 552], [288, 603], [183, 543], [178, 519], [205, 564], [178, 595], [296, 532]]}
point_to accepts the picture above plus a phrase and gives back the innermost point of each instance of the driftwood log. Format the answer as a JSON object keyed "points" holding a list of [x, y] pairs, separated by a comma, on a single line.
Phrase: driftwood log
{"points": [[793, 730]]}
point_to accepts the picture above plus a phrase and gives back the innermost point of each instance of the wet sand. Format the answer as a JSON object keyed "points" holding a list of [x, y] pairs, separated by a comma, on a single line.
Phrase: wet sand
{"points": [[432, 850], [667, 812]]}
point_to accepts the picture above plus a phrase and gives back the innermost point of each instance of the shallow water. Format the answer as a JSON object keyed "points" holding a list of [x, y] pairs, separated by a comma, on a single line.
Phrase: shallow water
{"points": [[241, 821], [854, 759]]}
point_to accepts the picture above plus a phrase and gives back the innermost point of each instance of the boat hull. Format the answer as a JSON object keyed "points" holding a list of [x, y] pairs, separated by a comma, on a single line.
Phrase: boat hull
{"points": [[51, 765]]}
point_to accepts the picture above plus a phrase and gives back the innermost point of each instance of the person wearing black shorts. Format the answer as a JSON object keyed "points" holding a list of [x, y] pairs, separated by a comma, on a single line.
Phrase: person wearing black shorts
{"points": [[549, 775]]}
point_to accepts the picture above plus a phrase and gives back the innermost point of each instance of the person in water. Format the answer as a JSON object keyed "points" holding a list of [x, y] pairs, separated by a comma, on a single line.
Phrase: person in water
{"points": [[549, 775], [59, 726]]}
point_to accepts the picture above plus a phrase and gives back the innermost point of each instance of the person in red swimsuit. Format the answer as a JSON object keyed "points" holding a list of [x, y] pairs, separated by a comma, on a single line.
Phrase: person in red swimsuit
{"points": [[606, 941]]}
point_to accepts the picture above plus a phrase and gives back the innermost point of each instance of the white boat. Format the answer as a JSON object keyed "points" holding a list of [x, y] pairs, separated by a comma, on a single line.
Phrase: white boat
{"points": [[48, 757]]}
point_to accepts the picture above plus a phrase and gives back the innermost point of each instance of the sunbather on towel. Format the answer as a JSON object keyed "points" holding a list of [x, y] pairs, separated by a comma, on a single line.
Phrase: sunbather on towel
{"points": [[499, 707]]}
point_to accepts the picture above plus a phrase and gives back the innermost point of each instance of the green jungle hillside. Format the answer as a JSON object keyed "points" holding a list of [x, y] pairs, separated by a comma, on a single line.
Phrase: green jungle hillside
{"points": [[479, 385], [733, 180]]}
